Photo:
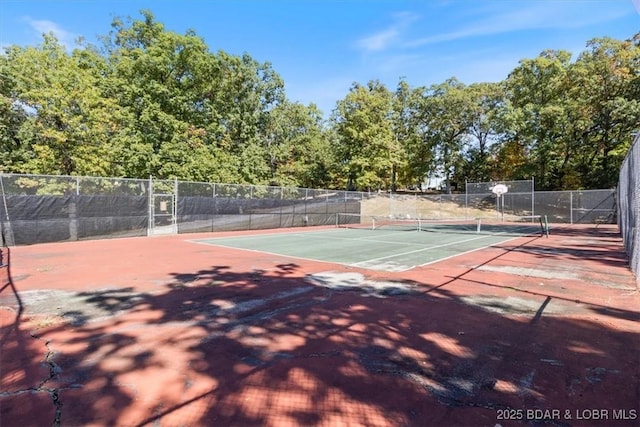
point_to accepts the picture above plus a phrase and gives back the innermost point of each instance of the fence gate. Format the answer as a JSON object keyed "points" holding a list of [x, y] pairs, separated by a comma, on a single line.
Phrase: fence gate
{"points": [[163, 207]]}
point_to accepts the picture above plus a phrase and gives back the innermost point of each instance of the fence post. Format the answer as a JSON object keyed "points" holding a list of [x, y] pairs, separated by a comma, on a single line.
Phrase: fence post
{"points": [[282, 203], [73, 211], [73, 217], [175, 206], [571, 207], [151, 208], [306, 202], [7, 234], [215, 206], [466, 198], [250, 209], [533, 199]]}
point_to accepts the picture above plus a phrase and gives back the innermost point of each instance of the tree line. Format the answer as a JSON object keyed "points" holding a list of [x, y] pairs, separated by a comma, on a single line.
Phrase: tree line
{"points": [[150, 102]]}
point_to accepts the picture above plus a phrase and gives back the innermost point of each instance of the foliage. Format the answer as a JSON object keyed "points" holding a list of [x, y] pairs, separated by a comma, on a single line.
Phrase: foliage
{"points": [[149, 101], [367, 149]]}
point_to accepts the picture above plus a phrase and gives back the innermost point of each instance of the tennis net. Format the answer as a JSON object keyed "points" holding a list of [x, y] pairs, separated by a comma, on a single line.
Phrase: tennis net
{"points": [[517, 226]]}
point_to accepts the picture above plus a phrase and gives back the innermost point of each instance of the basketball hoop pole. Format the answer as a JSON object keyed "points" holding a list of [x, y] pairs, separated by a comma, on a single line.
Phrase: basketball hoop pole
{"points": [[500, 206], [499, 190]]}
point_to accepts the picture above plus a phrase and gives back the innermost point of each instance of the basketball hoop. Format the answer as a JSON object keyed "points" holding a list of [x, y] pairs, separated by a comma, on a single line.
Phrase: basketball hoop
{"points": [[499, 189]]}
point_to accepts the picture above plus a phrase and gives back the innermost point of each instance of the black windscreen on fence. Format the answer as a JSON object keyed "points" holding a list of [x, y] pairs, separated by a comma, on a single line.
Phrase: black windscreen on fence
{"points": [[41, 208], [38, 219]]}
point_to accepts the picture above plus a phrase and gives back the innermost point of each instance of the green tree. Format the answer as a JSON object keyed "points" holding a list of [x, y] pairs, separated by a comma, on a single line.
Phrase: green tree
{"points": [[188, 107], [537, 90], [485, 103], [445, 117], [416, 155], [159, 78], [298, 147], [607, 109], [13, 116], [153, 102], [367, 147], [60, 120], [243, 97]]}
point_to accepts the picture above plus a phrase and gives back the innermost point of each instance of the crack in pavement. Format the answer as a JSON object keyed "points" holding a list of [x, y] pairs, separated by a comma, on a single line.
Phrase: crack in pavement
{"points": [[54, 392], [54, 371]]}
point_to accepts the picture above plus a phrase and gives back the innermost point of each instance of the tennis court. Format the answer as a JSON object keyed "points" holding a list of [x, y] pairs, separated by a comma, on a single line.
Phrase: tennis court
{"points": [[288, 329], [383, 243]]}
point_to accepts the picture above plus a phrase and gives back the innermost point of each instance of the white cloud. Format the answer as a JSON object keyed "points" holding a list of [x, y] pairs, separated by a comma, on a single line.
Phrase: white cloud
{"points": [[425, 70], [536, 15], [43, 26], [378, 41], [387, 37]]}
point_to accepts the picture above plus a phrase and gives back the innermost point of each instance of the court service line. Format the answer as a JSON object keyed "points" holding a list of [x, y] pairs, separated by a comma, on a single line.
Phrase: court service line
{"points": [[439, 259], [311, 234], [428, 249], [359, 239], [463, 253], [424, 245]]}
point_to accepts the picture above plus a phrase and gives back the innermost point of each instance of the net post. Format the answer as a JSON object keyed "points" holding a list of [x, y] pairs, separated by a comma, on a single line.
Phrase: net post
{"points": [[546, 225], [478, 225], [541, 225]]}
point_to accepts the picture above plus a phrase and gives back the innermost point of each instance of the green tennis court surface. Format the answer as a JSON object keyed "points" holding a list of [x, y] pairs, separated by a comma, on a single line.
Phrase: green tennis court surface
{"points": [[376, 249]]}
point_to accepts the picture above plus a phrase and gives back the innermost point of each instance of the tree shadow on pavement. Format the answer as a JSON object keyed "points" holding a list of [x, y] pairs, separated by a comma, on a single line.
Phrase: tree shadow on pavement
{"points": [[273, 348]]}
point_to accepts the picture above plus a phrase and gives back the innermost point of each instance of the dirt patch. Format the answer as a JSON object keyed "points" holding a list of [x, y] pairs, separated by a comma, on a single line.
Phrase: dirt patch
{"points": [[56, 305], [425, 207]]}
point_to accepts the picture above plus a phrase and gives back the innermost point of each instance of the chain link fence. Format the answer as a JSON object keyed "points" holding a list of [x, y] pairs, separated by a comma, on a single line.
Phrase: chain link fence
{"points": [[227, 207], [572, 207], [629, 205], [41, 208]]}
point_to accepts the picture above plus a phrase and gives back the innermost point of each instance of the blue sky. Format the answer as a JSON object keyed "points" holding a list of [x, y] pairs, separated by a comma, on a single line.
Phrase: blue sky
{"points": [[320, 47]]}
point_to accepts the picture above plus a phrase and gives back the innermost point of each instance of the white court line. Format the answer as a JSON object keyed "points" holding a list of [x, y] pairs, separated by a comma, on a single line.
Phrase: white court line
{"points": [[429, 248], [319, 234], [313, 234], [257, 236], [411, 267], [463, 253], [208, 242], [363, 239]]}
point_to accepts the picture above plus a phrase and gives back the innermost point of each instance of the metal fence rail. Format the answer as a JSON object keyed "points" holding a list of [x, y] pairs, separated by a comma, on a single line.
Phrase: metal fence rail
{"points": [[42, 208], [629, 205], [572, 207]]}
